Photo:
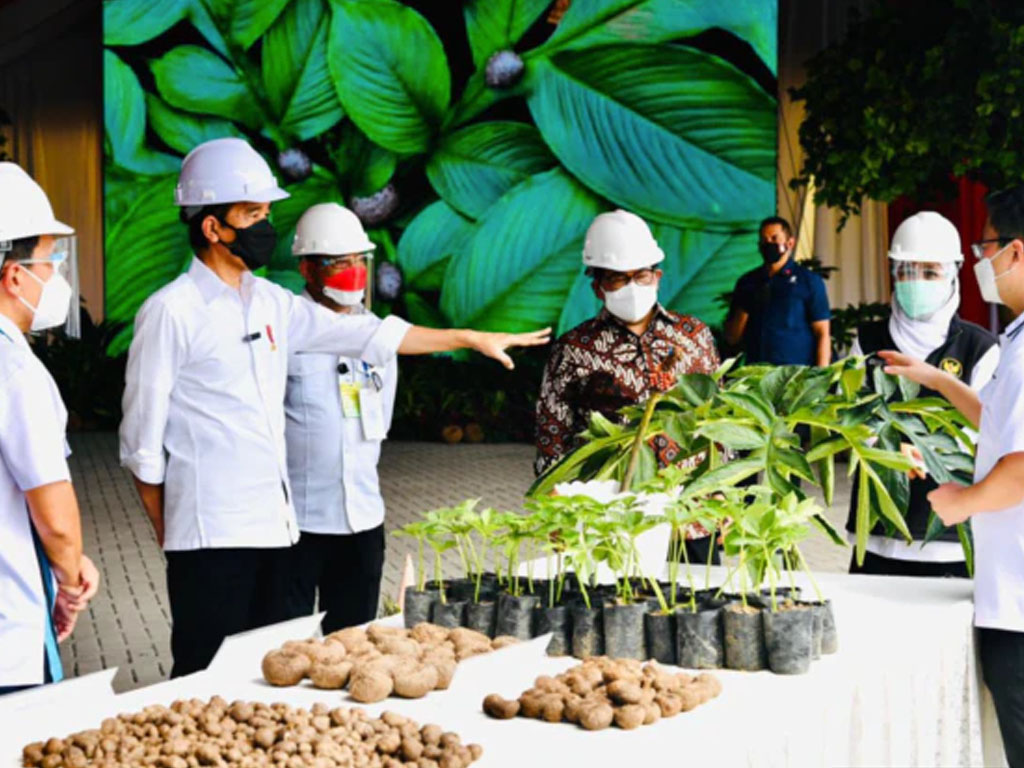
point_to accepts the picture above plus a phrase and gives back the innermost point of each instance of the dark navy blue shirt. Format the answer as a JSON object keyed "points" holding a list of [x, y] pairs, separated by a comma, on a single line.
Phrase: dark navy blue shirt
{"points": [[781, 310]]}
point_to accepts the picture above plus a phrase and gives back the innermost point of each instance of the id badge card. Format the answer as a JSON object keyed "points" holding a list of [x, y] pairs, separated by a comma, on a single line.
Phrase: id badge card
{"points": [[371, 407], [350, 399]]}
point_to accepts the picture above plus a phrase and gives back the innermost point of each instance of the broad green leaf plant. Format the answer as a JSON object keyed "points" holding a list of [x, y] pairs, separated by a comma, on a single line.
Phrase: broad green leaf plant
{"points": [[753, 413], [476, 175]]}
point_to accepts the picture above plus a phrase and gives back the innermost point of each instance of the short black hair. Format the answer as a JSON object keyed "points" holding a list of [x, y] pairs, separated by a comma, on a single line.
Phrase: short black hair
{"points": [[597, 272], [21, 249], [775, 220], [196, 239], [1006, 211]]}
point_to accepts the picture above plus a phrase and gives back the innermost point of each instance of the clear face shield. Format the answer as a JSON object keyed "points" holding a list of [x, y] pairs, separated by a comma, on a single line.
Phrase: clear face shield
{"points": [[63, 257], [923, 287], [349, 281]]}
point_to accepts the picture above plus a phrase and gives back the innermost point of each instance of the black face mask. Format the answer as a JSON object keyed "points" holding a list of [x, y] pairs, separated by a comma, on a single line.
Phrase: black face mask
{"points": [[770, 252], [254, 244]]}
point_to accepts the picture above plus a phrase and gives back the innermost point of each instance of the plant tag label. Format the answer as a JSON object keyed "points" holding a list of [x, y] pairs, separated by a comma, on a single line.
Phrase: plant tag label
{"points": [[350, 399], [372, 408]]}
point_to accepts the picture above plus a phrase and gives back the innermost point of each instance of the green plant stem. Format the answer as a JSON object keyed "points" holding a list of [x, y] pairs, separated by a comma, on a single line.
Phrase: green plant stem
{"points": [[421, 573], [437, 575], [634, 451], [810, 576]]}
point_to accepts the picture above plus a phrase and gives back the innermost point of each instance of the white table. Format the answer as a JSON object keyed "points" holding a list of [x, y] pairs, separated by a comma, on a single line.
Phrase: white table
{"points": [[903, 690]]}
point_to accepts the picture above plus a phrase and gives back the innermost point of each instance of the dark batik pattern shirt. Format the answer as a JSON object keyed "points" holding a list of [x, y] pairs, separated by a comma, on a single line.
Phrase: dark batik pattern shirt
{"points": [[601, 365]]}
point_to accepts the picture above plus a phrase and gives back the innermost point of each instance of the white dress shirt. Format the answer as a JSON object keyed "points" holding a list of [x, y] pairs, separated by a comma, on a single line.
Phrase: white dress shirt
{"points": [[332, 467], [34, 452], [999, 536], [204, 395]]}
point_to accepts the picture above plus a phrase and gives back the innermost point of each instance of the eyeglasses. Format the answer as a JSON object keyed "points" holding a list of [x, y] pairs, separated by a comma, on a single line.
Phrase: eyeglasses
{"points": [[337, 262], [613, 281], [978, 248]]}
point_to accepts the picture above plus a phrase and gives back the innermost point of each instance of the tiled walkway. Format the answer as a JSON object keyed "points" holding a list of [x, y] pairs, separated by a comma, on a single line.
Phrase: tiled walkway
{"points": [[128, 624]]}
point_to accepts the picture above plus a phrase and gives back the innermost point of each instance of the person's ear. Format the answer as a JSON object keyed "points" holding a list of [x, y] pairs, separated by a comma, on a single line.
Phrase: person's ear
{"points": [[790, 243], [595, 284], [211, 229], [308, 271]]}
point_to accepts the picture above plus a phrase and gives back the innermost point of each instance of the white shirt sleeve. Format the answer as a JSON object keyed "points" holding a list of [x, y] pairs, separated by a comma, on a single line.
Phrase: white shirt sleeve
{"points": [[32, 441], [312, 328], [156, 354], [985, 368]]}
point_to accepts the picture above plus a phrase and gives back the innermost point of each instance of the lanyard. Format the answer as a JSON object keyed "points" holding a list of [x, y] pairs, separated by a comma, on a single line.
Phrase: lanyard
{"points": [[54, 668]]}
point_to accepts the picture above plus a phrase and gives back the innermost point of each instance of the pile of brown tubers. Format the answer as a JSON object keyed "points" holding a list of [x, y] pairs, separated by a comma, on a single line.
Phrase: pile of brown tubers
{"points": [[379, 661], [194, 733], [602, 691]]}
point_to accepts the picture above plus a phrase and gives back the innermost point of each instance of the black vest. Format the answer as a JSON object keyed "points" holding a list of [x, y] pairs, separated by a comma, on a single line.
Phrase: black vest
{"points": [[966, 343]]}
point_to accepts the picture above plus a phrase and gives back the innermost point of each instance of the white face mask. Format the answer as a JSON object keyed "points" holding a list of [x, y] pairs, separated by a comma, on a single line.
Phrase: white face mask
{"points": [[631, 302], [988, 279], [54, 302], [345, 298]]}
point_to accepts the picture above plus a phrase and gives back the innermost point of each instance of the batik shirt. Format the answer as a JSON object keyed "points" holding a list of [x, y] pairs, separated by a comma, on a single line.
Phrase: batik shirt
{"points": [[601, 365]]}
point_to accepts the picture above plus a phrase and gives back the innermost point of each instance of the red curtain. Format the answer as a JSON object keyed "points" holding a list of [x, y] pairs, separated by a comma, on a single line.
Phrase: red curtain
{"points": [[967, 212]]}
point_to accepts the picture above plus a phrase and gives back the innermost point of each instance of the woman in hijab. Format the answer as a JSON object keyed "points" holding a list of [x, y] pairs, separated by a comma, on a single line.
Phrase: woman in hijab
{"points": [[925, 258]]}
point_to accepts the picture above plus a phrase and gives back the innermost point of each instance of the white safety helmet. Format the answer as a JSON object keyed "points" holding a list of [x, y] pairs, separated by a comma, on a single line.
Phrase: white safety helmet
{"points": [[926, 236], [620, 241], [225, 171], [25, 210], [329, 229]]}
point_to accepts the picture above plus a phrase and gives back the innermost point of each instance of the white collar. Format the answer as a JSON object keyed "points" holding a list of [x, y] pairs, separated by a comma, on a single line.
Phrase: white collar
{"points": [[1013, 329], [209, 283], [13, 332]]}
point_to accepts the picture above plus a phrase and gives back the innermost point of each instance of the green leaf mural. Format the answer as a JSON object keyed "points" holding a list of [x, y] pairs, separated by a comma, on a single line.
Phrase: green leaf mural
{"points": [[494, 25], [295, 71], [244, 21], [430, 240], [145, 249], [192, 78], [130, 22], [695, 151], [481, 199], [183, 130], [595, 22], [124, 118], [523, 257], [475, 166], [390, 70]]}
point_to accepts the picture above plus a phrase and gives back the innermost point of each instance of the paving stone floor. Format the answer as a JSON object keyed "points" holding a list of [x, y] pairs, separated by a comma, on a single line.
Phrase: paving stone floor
{"points": [[128, 624]]}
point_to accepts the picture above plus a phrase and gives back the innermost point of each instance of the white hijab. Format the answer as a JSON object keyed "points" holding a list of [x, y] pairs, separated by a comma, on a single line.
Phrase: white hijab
{"points": [[922, 336]]}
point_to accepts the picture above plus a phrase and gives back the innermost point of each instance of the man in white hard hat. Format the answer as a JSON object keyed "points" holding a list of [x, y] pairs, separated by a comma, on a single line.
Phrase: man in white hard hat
{"points": [[633, 347], [780, 312], [994, 504], [925, 258], [337, 410], [45, 580], [203, 428]]}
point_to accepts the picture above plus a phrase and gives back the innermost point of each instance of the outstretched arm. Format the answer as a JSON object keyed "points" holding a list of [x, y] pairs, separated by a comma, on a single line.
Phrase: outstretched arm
{"points": [[421, 341]]}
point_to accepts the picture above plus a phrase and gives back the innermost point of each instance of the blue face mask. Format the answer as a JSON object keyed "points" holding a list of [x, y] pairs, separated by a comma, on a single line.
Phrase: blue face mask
{"points": [[921, 298]]}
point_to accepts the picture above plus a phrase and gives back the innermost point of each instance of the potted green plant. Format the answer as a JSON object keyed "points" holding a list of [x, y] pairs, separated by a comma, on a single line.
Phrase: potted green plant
{"points": [[515, 609], [417, 602], [554, 522], [439, 537], [623, 616], [481, 613]]}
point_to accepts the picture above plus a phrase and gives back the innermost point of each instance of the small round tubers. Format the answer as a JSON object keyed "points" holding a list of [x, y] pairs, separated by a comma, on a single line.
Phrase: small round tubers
{"points": [[415, 684], [596, 717], [630, 716], [368, 687], [285, 667], [500, 709]]}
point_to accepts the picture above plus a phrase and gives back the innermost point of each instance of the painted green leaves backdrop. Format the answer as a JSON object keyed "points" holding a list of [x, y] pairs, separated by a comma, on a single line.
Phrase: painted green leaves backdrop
{"points": [[490, 178]]}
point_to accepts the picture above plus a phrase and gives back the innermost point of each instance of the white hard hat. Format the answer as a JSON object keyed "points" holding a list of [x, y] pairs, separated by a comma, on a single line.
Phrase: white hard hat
{"points": [[926, 236], [620, 241], [331, 230], [225, 171], [25, 209]]}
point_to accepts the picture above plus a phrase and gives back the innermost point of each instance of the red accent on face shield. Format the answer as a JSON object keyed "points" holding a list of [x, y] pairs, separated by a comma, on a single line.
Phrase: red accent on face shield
{"points": [[348, 279]]}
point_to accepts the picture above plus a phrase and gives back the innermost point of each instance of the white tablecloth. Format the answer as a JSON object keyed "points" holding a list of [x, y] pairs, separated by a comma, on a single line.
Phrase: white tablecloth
{"points": [[903, 690]]}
